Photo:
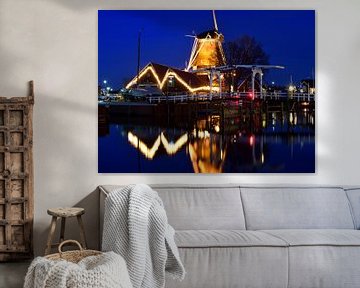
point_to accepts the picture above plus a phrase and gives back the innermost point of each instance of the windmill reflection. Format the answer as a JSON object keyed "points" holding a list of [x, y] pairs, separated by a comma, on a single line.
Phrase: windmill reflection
{"points": [[207, 152]]}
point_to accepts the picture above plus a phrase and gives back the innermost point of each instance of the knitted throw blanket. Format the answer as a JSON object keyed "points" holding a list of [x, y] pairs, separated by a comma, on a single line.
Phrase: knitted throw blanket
{"points": [[104, 271], [136, 227]]}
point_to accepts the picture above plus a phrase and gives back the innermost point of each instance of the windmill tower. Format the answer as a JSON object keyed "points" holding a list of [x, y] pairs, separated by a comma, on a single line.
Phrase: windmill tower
{"points": [[207, 49]]}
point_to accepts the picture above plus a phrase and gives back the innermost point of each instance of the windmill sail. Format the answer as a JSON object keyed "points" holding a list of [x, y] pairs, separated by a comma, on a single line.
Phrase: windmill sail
{"points": [[215, 22]]}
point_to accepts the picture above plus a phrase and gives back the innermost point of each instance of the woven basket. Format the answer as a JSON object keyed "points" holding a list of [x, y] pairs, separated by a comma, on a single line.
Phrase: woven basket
{"points": [[72, 256]]}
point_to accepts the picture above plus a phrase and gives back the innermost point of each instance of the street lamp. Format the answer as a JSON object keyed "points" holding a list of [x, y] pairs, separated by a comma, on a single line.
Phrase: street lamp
{"points": [[292, 88], [232, 88]]}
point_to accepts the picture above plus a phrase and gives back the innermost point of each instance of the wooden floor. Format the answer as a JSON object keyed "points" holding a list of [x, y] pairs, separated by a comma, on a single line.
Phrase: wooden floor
{"points": [[12, 274]]}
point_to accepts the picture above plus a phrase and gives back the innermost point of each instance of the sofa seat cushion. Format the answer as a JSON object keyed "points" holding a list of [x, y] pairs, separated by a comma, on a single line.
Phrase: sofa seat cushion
{"points": [[317, 237], [225, 238], [233, 267]]}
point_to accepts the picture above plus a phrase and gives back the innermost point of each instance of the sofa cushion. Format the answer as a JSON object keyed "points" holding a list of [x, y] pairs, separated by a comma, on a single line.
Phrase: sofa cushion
{"points": [[324, 266], [317, 237], [322, 258], [203, 208], [226, 238], [354, 198], [218, 267], [296, 208]]}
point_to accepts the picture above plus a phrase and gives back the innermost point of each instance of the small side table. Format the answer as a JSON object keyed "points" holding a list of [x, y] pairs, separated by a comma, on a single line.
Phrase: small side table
{"points": [[64, 213]]}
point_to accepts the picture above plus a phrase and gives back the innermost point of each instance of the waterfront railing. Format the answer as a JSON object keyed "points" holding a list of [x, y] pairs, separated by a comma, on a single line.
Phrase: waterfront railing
{"points": [[300, 97]]}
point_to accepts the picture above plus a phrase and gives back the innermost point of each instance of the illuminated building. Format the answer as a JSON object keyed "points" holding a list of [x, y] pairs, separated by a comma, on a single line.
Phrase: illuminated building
{"points": [[207, 52], [171, 80], [206, 71]]}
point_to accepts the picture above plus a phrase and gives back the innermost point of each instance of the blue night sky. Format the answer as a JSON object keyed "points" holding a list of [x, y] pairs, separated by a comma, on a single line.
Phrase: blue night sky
{"points": [[287, 36]]}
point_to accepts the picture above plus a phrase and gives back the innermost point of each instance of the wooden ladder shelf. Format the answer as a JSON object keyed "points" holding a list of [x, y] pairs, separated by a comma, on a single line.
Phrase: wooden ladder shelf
{"points": [[16, 177]]}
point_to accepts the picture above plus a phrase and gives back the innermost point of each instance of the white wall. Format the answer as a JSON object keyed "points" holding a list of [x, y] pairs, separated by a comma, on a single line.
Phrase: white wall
{"points": [[55, 44]]}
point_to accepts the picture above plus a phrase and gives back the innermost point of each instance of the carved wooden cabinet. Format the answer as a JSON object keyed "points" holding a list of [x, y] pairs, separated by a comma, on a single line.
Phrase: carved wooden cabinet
{"points": [[16, 177]]}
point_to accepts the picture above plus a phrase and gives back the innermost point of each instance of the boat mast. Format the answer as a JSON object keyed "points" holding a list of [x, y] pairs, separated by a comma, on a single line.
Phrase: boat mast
{"points": [[138, 56]]}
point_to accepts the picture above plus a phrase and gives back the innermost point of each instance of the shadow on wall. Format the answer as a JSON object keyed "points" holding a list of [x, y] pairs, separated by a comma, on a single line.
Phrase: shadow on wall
{"points": [[65, 111], [64, 153], [91, 222], [65, 158]]}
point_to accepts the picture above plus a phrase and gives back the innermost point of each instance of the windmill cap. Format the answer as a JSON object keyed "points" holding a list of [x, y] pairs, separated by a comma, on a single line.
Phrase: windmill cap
{"points": [[212, 33]]}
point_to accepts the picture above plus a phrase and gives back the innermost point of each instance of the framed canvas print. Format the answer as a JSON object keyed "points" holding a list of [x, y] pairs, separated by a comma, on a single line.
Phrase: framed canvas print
{"points": [[226, 91]]}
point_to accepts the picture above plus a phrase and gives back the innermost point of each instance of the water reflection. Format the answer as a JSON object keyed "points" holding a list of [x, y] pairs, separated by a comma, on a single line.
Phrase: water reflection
{"points": [[149, 152], [207, 151], [267, 142]]}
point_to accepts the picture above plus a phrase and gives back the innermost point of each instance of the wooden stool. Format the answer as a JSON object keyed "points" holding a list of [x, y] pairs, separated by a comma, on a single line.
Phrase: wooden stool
{"points": [[64, 213]]}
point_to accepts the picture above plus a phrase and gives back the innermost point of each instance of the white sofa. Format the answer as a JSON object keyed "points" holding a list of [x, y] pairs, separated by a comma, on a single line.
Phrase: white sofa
{"points": [[248, 236]]}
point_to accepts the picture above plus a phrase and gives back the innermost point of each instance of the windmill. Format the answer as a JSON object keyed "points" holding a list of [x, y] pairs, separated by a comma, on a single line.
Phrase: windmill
{"points": [[207, 50]]}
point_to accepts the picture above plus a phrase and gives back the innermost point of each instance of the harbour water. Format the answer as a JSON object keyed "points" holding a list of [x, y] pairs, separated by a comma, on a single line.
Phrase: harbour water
{"points": [[216, 142]]}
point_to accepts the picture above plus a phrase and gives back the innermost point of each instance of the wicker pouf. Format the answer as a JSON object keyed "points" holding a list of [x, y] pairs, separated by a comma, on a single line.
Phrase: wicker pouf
{"points": [[72, 256], [80, 268]]}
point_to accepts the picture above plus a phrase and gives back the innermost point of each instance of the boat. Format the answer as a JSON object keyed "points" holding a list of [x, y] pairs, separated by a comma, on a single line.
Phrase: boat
{"points": [[141, 92]]}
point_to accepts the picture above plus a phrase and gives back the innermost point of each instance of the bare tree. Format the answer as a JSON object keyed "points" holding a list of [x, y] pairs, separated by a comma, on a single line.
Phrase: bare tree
{"points": [[244, 51]]}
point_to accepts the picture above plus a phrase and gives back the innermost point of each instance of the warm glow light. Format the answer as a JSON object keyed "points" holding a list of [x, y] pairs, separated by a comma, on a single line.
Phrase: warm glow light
{"points": [[195, 54], [201, 134], [193, 158], [204, 52], [264, 123], [142, 74], [172, 148], [202, 158], [292, 88], [170, 73], [148, 153], [187, 86]]}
